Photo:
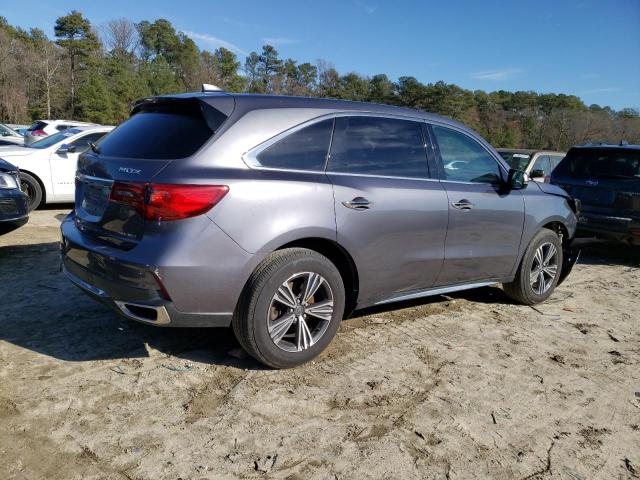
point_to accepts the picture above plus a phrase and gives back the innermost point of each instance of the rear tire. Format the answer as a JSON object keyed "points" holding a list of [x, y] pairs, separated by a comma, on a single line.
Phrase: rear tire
{"points": [[539, 269], [276, 322], [31, 186]]}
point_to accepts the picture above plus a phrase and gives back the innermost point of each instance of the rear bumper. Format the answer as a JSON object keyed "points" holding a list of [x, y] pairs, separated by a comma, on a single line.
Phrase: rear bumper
{"points": [[154, 312], [608, 226], [192, 279]]}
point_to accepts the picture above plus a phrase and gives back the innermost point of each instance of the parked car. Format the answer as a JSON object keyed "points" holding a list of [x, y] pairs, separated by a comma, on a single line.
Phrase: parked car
{"points": [[8, 136], [279, 215], [21, 129], [538, 164], [42, 128], [48, 167], [606, 180], [13, 202]]}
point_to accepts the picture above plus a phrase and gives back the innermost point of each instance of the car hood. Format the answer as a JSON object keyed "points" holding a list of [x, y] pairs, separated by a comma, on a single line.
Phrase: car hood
{"points": [[6, 166], [552, 189], [10, 151]]}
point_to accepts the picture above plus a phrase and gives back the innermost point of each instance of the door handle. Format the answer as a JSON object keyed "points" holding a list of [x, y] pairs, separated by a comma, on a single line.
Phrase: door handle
{"points": [[358, 203], [463, 204]]}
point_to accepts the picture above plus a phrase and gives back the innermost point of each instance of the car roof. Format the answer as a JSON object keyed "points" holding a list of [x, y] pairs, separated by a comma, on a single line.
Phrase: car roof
{"points": [[74, 122], [607, 146], [251, 101], [85, 128], [528, 151]]}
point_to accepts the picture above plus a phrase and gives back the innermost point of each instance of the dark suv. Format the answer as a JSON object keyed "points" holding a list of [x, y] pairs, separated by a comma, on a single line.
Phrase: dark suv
{"points": [[606, 180], [281, 215]]}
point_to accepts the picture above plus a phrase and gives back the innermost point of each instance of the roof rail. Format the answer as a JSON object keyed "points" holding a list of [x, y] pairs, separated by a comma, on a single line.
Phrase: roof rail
{"points": [[208, 87]]}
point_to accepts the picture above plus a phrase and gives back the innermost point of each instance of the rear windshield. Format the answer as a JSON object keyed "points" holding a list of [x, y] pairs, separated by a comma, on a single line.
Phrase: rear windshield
{"points": [[600, 163], [164, 131], [37, 126], [519, 161]]}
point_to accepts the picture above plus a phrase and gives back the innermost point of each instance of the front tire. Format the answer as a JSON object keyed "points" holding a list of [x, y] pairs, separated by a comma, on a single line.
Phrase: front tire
{"points": [[290, 309], [31, 186], [539, 269]]}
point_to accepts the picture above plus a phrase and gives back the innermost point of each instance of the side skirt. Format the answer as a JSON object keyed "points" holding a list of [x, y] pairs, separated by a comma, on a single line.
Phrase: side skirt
{"points": [[439, 291]]}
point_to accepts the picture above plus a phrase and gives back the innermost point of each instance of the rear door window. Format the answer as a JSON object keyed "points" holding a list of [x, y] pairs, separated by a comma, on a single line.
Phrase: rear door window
{"points": [[164, 131], [378, 146], [464, 159], [304, 149]]}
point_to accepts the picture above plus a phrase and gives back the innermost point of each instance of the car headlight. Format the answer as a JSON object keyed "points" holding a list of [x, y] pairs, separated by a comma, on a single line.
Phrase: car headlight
{"points": [[8, 181]]}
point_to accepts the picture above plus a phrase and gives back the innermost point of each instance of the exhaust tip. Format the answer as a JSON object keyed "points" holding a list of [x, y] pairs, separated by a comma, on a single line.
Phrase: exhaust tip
{"points": [[144, 313]]}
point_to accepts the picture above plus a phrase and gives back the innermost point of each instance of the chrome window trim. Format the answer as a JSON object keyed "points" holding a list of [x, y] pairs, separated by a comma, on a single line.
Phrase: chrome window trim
{"points": [[369, 175], [250, 157]]}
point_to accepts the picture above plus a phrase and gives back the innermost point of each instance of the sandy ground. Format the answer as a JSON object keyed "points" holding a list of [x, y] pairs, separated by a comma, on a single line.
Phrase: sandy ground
{"points": [[468, 386]]}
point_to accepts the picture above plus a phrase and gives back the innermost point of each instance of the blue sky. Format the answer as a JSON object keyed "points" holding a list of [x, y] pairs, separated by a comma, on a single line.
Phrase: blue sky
{"points": [[582, 47]]}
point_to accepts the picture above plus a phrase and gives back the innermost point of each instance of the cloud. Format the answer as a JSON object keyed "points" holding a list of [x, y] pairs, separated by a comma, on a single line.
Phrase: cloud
{"points": [[216, 42], [600, 90], [498, 75], [368, 8], [275, 41]]}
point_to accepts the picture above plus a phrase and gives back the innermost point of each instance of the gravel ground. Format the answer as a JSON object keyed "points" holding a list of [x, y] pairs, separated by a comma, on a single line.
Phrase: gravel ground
{"points": [[467, 386]]}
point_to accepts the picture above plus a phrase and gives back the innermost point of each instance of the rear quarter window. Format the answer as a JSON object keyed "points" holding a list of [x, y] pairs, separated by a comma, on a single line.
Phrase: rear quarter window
{"points": [[304, 149]]}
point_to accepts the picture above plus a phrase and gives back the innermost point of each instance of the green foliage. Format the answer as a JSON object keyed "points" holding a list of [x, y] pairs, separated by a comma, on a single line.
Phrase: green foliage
{"points": [[80, 77], [95, 103]]}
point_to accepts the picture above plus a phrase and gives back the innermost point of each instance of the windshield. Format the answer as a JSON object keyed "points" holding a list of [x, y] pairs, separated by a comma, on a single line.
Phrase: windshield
{"points": [[519, 161], [51, 140], [601, 163], [7, 131]]}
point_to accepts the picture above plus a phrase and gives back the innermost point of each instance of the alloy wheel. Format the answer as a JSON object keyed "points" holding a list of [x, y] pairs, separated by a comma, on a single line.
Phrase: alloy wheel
{"points": [[544, 268], [300, 312]]}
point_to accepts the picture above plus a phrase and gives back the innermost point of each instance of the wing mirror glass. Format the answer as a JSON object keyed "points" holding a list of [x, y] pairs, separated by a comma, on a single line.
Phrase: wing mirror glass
{"points": [[66, 148], [517, 179]]}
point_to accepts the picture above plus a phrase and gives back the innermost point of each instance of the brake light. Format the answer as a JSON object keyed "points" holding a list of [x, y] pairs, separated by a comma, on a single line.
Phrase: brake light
{"points": [[39, 133], [168, 201]]}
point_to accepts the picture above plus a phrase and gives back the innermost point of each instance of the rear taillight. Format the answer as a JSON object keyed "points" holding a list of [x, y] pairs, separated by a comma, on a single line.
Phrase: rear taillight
{"points": [[168, 201], [39, 133]]}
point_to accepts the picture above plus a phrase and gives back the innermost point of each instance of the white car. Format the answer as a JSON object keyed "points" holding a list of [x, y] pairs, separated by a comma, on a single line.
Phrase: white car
{"points": [[8, 136], [43, 128], [48, 167]]}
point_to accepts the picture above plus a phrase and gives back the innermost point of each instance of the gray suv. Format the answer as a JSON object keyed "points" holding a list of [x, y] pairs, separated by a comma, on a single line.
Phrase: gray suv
{"points": [[282, 215]]}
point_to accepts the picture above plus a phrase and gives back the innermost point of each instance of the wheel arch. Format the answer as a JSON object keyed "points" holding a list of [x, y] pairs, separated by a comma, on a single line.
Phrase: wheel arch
{"points": [[40, 182], [341, 258]]}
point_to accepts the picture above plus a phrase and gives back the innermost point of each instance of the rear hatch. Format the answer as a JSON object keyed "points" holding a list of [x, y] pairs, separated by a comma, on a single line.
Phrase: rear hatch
{"points": [[114, 180], [605, 180]]}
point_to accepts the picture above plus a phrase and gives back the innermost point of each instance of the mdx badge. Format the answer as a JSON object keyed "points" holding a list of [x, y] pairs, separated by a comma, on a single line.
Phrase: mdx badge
{"points": [[133, 171]]}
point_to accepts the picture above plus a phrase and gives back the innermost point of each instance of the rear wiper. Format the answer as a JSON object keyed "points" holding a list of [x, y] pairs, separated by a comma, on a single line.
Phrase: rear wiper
{"points": [[95, 148]]}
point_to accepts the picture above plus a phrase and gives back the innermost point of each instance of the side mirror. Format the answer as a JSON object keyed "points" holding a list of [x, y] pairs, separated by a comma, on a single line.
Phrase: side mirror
{"points": [[66, 148], [517, 179], [537, 173]]}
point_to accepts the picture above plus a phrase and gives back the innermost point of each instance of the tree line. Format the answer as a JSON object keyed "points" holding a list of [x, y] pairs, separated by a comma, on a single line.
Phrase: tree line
{"points": [[96, 73]]}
